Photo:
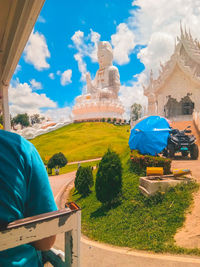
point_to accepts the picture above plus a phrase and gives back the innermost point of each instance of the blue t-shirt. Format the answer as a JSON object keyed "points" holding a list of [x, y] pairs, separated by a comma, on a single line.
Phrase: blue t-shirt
{"points": [[24, 191]]}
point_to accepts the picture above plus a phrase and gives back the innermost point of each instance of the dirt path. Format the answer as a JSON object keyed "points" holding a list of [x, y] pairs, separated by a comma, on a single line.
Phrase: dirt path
{"points": [[189, 235]]}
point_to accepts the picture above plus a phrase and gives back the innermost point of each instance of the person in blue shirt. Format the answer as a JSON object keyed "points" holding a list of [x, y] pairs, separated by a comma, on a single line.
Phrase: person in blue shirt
{"points": [[24, 191]]}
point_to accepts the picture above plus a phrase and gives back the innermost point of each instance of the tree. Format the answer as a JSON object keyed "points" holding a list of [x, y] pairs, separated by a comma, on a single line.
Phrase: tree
{"points": [[108, 185], [57, 161], [109, 120], [114, 120], [84, 180], [35, 118], [136, 111], [22, 119]]}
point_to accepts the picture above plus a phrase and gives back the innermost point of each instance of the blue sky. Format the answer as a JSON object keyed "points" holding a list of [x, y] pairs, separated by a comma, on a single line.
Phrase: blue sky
{"points": [[62, 48]]}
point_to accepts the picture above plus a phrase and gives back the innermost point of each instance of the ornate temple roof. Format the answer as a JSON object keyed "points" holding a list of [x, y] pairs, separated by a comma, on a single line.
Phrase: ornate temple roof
{"points": [[186, 55]]}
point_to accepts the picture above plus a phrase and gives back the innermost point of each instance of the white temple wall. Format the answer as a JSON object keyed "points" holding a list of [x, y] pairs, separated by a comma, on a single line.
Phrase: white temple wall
{"points": [[178, 85]]}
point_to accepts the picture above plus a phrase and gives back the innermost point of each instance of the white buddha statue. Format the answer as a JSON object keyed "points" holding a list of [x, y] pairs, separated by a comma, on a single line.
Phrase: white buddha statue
{"points": [[106, 83], [101, 99]]}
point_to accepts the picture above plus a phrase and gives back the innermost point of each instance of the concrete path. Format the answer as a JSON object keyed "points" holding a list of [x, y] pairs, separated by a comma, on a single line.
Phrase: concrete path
{"points": [[82, 161], [95, 254], [189, 235]]}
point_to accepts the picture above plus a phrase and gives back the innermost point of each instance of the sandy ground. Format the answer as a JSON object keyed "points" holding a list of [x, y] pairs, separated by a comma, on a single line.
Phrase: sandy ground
{"points": [[189, 235]]}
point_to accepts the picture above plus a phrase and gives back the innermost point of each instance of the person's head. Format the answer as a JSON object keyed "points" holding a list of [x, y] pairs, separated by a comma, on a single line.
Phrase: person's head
{"points": [[105, 54]]}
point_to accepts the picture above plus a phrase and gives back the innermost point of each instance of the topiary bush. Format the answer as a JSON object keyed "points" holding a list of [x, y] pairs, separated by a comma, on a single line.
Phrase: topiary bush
{"points": [[84, 180], [140, 162], [108, 185]]}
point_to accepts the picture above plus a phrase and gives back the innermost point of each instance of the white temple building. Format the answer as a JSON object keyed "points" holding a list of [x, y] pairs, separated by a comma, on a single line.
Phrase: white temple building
{"points": [[101, 100], [176, 92]]}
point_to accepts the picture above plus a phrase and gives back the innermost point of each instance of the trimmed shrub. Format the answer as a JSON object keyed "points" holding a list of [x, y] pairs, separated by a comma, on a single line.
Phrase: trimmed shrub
{"points": [[84, 180], [140, 162], [108, 185]]}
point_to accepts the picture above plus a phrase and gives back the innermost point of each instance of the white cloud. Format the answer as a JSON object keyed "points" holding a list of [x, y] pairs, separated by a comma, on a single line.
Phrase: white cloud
{"points": [[86, 47], [58, 72], [51, 76], [77, 38], [41, 19], [23, 100], [18, 68], [66, 77], [132, 93], [81, 65], [59, 114], [36, 85], [36, 51], [159, 49], [123, 43]]}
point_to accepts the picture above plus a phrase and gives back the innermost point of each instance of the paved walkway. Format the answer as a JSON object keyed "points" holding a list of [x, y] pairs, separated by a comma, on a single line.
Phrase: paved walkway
{"points": [[189, 235]]}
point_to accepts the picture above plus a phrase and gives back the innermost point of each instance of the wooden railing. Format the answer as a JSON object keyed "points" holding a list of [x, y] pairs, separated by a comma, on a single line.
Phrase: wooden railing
{"points": [[67, 221]]}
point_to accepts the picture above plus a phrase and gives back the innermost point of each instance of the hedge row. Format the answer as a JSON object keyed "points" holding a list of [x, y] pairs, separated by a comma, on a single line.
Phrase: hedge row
{"points": [[140, 162]]}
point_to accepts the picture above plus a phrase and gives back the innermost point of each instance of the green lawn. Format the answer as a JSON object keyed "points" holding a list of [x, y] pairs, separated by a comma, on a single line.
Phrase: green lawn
{"points": [[138, 222], [83, 140]]}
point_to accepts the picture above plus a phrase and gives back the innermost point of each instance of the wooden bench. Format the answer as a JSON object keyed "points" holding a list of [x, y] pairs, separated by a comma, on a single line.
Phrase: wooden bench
{"points": [[67, 220]]}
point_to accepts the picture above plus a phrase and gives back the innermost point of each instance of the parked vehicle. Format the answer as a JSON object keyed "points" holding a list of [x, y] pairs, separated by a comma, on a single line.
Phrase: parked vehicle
{"points": [[181, 142]]}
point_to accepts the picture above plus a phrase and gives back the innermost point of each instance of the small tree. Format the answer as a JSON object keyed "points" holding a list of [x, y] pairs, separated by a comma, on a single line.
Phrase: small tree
{"points": [[114, 120], [84, 180], [136, 111], [35, 118], [57, 161], [108, 185], [22, 119], [109, 120]]}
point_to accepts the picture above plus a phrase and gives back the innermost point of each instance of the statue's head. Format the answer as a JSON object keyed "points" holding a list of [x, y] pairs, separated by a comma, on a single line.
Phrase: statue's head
{"points": [[105, 54]]}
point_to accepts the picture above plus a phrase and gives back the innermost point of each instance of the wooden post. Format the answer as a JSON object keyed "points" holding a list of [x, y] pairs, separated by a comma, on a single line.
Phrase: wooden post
{"points": [[72, 243], [5, 106], [68, 249], [76, 237]]}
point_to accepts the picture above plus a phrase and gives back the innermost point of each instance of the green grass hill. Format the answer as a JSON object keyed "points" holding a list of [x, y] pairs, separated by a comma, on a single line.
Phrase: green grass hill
{"points": [[83, 140]]}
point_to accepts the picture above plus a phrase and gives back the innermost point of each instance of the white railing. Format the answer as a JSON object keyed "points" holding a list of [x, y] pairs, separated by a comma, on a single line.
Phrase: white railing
{"points": [[67, 221]]}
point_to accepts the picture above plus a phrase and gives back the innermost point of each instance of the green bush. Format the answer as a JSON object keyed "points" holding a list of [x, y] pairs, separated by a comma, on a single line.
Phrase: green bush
{"points": [[140, 162], [108, 185], [84, 180]]}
